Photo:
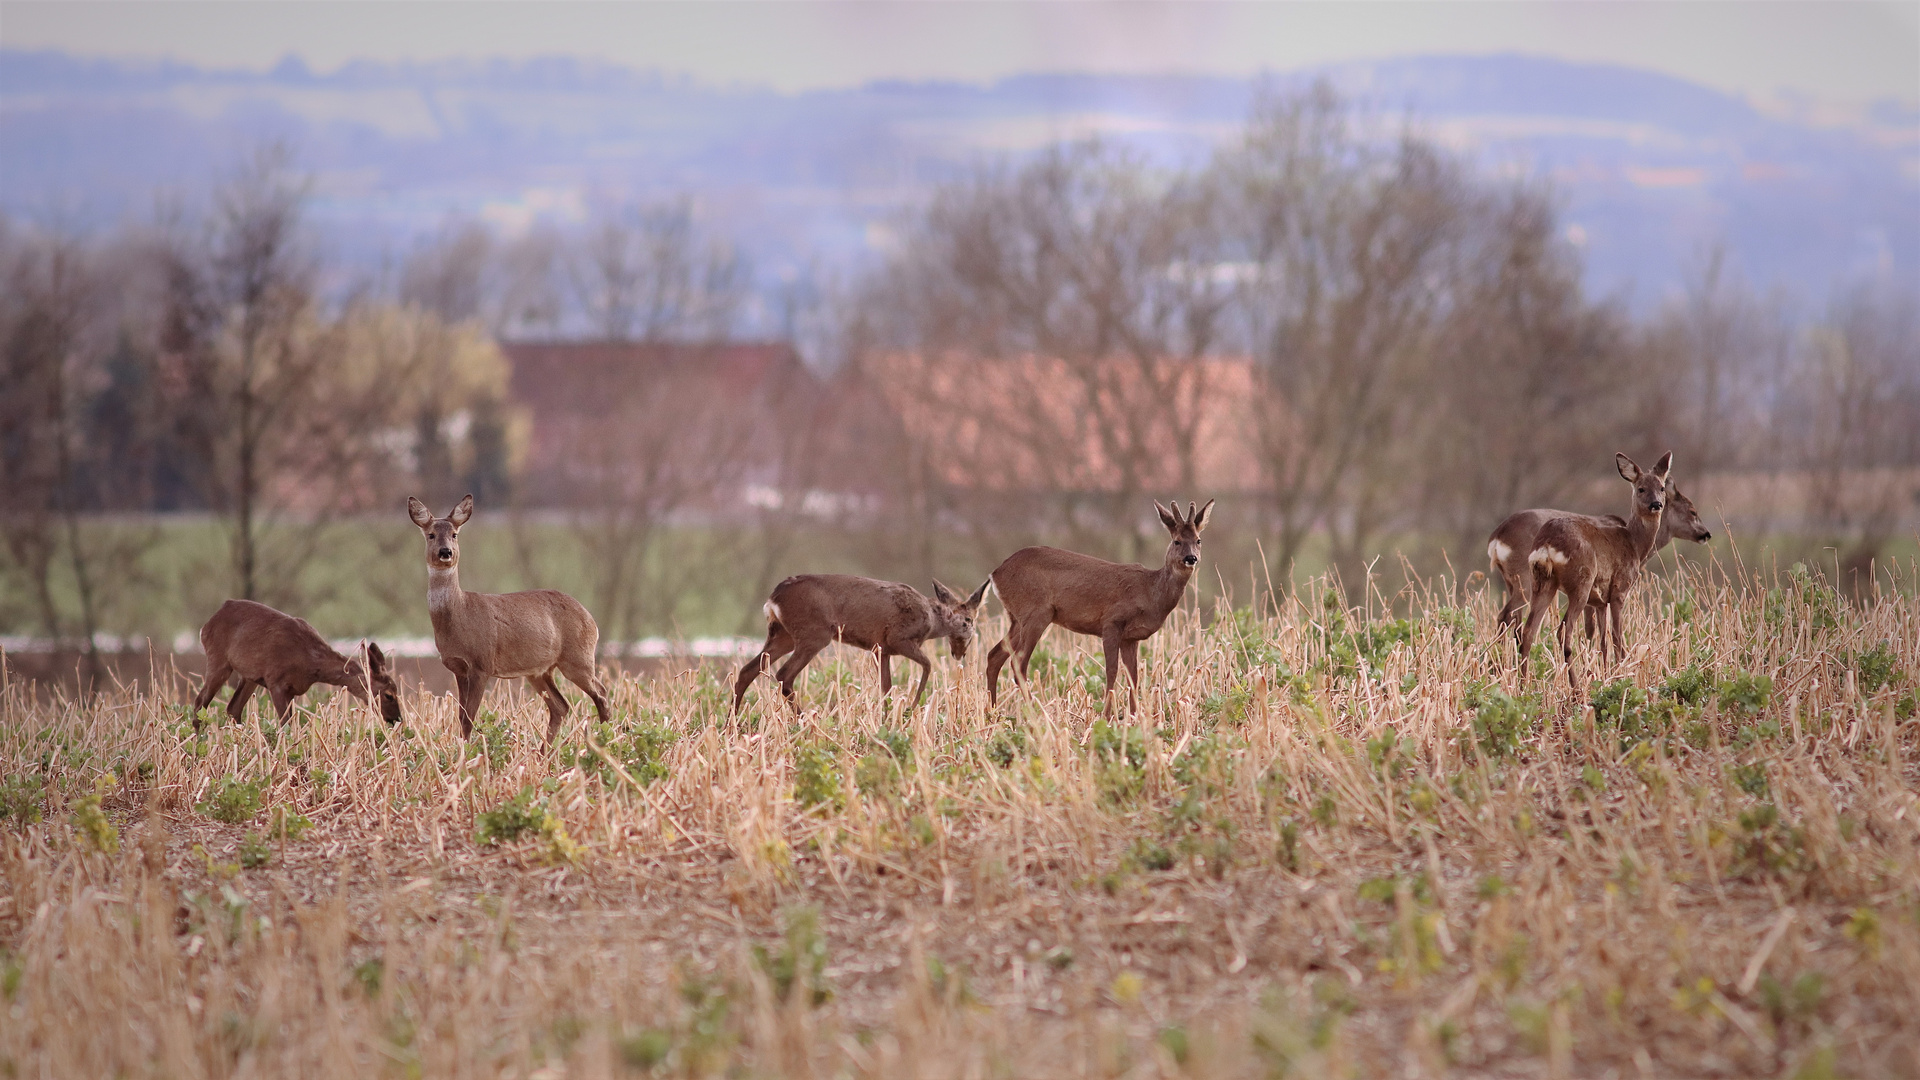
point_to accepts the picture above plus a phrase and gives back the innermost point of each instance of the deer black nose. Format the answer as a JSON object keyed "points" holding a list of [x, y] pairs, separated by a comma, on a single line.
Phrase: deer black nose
{"points": [[447, 553], [1193, 560], [1657, 504], [1705, 536]]}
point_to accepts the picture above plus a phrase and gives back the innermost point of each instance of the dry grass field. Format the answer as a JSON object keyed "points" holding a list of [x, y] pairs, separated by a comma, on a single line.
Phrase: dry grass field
{"points": [[1333, 843]]}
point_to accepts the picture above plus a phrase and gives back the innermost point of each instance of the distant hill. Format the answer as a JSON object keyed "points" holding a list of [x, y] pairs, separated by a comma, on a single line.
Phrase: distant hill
{"points": [[1652, 169]]}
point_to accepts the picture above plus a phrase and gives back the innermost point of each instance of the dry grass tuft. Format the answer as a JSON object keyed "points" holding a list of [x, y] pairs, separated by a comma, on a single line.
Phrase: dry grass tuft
{"points": [[1334, 843]]}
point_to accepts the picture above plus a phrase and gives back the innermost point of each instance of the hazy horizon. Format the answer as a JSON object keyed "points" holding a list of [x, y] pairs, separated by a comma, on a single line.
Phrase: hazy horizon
{"points": [[1839, 53]]}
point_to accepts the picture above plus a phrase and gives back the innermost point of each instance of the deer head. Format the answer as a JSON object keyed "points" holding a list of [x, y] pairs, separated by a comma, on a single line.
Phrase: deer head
{"points": [[1683, 518], [381, 683], [955, 615], [1184, 551], [443, 534], [1649, 485]]}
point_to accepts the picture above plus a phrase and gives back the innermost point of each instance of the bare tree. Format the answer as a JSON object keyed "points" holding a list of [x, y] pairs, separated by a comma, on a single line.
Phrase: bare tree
{"points": [[1858, 405], [1047, 328], [60, 328], [1354, 244], [643, 272]]}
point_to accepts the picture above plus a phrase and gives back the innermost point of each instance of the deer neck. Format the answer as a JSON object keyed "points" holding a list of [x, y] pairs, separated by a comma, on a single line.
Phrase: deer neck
{"points": [[443, 591], [1647, 535], [1171, 582]]}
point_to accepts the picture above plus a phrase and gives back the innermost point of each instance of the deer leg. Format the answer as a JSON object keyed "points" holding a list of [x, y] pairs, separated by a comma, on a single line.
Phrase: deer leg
{"points": [[1110, 645], [1537, 609], [1130, 656], [1583, 589], [557, 707], [886, 670], [217, 677], [580, 673], [913, 652], [473, 687], [779, 643], [1026, 638], [1618, 610], [790, 671], [996, 658], [237, 704], [282, 700], [1510, 611]]}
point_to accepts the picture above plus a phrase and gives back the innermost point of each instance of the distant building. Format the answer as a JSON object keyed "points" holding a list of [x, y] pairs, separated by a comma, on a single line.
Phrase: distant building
{"points": [[613, 422]]}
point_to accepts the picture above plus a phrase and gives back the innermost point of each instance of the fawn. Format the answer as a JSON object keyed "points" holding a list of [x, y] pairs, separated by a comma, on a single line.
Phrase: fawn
{"points": [[1120, 604], [1595, 561], [809, 611], [486, 636], [253, 645]]}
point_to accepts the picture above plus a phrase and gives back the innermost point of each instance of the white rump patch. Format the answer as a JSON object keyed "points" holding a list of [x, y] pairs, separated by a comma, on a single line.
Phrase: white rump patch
{"points": [[1548, 556], [1498, 552], [773, 611]]}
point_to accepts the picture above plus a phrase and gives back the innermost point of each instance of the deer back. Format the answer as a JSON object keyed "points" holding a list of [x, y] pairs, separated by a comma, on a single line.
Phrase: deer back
{"points": [[258, 642], [1081, 592], [863, 612]]}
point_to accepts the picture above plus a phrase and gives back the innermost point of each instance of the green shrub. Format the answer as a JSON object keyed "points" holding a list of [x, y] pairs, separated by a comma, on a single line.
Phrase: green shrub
{"points": [[523, 814], [1876, 669], [801, 961], [20, 799], [1692, 686], [1746, 694], [1499, 723], [1008, 745], [234, 800], [637, 750], [816, 777], [255, 851], [91, 822]]}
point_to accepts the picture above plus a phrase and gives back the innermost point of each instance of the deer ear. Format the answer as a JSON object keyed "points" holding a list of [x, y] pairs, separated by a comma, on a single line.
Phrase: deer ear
{"points": [[462, 512], [375, 656], [418, 511], [1206, 514], [979, 595], [1167, 518], [1664, 466], [944, 594], [1628, 470]]}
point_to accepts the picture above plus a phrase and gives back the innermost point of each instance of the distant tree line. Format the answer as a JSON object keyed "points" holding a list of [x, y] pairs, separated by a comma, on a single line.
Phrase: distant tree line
{"points": [[1372, 344]]}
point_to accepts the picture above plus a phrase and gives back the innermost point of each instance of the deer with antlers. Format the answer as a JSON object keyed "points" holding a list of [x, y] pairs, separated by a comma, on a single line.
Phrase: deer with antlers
{"points": [[1512, 542], [485, 636], [1595, 561], [1120, 604], [252, 645], [808, 612]]}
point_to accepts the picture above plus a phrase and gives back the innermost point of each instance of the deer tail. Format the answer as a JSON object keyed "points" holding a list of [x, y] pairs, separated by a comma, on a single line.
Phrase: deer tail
{"points": [[773, 612]]}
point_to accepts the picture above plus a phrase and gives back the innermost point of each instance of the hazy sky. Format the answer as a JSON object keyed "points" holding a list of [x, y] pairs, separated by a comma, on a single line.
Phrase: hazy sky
{"points": [[1831, 50]]}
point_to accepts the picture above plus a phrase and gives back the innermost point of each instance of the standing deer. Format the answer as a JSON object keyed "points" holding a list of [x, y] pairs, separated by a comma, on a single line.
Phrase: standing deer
{"points": [[1120, 604], [808, 612], [486, 636], [1595, 561], [1512, 542], [253, 646]]}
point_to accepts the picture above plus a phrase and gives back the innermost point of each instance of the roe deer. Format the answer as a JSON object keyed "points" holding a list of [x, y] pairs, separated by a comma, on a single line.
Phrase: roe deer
{"points": [[487, 636], [253, 645], [1120, 604], [1512, 542], [1595, 561], [809, 611]]}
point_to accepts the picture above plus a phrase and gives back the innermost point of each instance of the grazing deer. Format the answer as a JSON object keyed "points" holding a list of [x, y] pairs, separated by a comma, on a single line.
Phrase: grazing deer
{"points": [[1595, 561], [487, 636], [1512, 542], [253, 645], [1120, 604], [808, 612]]}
